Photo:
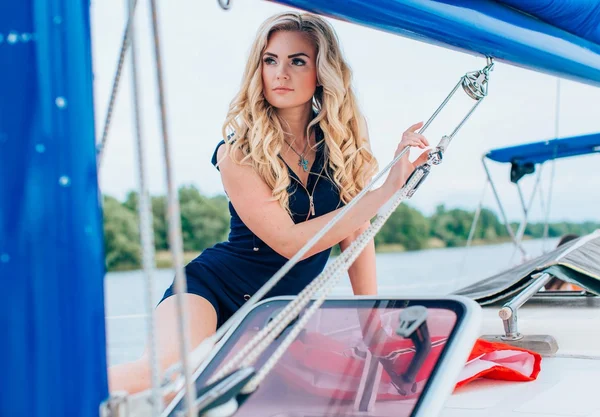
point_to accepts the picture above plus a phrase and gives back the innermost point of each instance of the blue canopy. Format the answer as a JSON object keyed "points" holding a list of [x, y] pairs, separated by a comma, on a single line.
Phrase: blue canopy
{"points": [[538, 152], [556, 37], [580, 17]]}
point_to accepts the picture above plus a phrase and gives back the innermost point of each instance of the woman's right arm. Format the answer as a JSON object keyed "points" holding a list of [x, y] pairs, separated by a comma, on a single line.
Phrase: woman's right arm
{"points": [[252, 199]]}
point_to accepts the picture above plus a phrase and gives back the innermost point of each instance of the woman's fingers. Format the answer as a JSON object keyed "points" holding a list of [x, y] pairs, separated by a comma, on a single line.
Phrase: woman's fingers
{"points": [[423, 139], [415, 127], [421, 159], [414, 139]]}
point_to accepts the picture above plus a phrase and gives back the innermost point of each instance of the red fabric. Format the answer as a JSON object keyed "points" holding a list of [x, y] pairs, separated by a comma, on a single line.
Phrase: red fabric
{"points": [[315, 362], [499, 372]]}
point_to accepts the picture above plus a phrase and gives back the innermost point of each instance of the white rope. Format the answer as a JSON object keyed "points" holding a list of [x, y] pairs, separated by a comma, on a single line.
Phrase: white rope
{"points": [[254, 348], [146, 229], [198, 355], [258, 344], [331, 276], [249, 305], [327, 279], [311, 288], [315, 239], [174, 223]]}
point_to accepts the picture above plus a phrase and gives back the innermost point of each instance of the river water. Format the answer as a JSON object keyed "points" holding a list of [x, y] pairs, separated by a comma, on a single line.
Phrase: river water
{"points": [[428, 272]]}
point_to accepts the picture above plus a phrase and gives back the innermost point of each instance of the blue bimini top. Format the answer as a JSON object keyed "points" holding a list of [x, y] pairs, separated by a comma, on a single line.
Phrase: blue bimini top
{"points": [[244, 263]]}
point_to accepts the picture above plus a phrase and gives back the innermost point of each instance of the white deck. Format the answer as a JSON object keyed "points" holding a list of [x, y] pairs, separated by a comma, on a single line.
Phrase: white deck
{"points": [[568, 384]]}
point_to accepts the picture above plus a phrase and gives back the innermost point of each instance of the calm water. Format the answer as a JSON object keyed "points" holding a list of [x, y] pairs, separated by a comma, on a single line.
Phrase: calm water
{"points": [[428, 272]]}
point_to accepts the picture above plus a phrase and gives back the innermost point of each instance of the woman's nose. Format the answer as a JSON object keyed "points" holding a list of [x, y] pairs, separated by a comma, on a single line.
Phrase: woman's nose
{"points": [[282, 75]]}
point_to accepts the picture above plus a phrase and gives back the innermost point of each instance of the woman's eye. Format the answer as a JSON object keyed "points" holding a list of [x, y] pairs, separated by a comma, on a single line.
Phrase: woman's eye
{"points": [[269, 61], [299, 62]]}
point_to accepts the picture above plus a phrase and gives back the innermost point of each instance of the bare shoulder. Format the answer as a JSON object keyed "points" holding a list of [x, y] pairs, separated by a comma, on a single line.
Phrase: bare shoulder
{"points": [[225, 160], [253, 201]]}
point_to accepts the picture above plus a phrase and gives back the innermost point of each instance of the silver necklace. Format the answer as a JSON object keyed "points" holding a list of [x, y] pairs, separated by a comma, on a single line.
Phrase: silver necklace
{"points": [[302, 161]]}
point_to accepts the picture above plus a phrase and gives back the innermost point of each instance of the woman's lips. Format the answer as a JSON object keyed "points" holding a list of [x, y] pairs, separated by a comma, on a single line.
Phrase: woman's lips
{"points": [[282, 90]]}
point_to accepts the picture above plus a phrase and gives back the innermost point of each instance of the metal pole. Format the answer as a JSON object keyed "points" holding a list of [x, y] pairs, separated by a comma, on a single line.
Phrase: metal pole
{"points": [[501, 208], [508, 313], [526, 209]]}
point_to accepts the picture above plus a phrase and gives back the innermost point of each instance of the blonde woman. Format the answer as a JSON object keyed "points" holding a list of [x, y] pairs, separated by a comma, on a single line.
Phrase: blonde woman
{"points": [[295, 150]]}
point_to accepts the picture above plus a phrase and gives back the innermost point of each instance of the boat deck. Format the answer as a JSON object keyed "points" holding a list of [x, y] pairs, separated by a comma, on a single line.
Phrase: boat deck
{"points": [[567, 384]]}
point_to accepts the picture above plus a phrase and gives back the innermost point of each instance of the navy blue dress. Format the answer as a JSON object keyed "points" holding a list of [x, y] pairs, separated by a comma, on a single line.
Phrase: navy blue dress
{"points": [[230, 272]]}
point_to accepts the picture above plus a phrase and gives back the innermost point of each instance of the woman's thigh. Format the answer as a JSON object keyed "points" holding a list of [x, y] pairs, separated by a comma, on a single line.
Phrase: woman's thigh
{"points": [[202, 322], [136, 376]]}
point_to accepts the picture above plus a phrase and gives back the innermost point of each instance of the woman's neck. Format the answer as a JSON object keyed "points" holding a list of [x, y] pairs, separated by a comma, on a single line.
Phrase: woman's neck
{"points": [[295, 120]]}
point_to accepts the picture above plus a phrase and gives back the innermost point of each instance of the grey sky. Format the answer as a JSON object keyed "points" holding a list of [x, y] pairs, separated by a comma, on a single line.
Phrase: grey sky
{"points": [[398, 82]]}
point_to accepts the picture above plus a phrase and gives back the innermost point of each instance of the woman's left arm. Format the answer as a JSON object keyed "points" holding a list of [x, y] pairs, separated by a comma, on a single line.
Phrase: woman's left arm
{"points": [[363, 275]]}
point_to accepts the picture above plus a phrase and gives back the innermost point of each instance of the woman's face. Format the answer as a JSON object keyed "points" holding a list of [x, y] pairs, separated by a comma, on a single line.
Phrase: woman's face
{"points": [[289, 71]]}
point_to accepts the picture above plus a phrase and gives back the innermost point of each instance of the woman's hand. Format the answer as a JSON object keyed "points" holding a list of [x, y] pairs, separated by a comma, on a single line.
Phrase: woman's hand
{"points": [[403, 168]]}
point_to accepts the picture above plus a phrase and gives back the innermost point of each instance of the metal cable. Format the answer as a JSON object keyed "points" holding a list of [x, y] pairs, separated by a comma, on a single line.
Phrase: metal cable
{"points": [[115, 86], [174, 221], [556, 132], [322, 281], [282, 321], [146, 228], [327, 279], [248, 305], [461, 269]]}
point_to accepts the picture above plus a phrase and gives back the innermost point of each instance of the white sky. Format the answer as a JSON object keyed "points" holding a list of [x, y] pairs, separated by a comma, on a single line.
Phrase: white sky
{"points": [[398, 82]]}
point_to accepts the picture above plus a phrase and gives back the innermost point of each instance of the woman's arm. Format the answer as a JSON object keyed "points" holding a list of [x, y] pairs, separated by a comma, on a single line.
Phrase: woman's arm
{"points": [[252, 199], [363, 274]]}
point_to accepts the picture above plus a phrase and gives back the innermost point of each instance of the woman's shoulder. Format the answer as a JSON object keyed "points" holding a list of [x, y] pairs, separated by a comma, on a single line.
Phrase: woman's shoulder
{"points": [[220, 152]]}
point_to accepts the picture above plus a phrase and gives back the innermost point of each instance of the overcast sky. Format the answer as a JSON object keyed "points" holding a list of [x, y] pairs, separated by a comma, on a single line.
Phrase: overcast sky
{"points": [[398, 82]]}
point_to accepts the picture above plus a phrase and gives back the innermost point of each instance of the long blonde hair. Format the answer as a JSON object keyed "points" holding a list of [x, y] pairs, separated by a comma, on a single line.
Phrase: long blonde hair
{"points": [[253, 127]]}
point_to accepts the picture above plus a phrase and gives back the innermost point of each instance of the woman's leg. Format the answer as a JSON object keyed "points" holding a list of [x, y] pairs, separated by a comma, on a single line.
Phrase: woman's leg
{"points": [[136, 376]]}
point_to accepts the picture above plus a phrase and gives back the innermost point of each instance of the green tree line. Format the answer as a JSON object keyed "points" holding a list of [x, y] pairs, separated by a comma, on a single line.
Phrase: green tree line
{"points": [[205, 221]]}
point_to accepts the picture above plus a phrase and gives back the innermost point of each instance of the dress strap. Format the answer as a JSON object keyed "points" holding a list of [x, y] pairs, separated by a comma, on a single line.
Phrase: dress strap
{"points": [[214, 157]]}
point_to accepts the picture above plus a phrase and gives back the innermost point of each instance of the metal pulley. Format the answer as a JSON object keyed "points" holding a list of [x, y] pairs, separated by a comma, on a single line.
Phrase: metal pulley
{"points": [[475, 85]]}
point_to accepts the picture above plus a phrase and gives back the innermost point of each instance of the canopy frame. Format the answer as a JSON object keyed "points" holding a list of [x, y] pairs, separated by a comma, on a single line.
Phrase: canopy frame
{"points": [[522, 164]]}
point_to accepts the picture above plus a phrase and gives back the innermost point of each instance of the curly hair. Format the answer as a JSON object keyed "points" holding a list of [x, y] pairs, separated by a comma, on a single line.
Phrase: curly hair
{"points": [[253, 127]]}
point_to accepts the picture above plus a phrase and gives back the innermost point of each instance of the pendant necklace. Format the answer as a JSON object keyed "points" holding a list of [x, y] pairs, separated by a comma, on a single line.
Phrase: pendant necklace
{"points": [[302, 161]]}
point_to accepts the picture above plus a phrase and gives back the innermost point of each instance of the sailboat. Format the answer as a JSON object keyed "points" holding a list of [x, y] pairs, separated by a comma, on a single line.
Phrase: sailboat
{"points": [[51, 253]]}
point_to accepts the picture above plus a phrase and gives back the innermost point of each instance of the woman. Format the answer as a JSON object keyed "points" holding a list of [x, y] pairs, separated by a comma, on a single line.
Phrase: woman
{"points": [[295, 150], [556, 284]]}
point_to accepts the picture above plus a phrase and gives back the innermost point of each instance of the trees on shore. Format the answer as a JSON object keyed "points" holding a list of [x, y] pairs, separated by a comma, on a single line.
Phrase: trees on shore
{"points": [[205, 221]]}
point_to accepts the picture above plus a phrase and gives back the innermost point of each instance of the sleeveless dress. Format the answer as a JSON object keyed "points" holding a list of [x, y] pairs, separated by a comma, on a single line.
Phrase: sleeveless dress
{"points": [[228, 273]]}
